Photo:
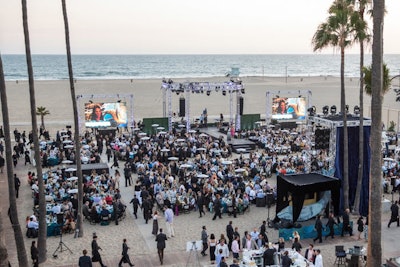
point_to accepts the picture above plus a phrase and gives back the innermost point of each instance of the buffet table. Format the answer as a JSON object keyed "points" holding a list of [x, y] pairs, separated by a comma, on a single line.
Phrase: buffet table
{"points": [[253, 258]]}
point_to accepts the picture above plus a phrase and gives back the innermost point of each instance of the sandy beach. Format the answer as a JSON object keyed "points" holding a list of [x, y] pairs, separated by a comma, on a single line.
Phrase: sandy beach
{"points": [[148, 97]]}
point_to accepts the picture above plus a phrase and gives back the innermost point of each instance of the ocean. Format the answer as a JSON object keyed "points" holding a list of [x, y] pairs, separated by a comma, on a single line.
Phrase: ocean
{"points": [[54, 67]]}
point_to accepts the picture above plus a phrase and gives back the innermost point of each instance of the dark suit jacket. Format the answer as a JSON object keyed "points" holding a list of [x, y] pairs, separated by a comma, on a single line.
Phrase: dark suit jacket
{"points": [[160, 239], [286, 261], [85, 261], [125, 249], [229, 231]]}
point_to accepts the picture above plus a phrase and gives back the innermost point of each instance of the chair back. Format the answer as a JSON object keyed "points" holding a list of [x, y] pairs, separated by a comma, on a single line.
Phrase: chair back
{"points": [[339, 248]]}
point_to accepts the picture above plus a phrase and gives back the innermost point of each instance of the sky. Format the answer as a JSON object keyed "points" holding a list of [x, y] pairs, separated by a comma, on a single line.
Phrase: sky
{"points": [[176, 26]]}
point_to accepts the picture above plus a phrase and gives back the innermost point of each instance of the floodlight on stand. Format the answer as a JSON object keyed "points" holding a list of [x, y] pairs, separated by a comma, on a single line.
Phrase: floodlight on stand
{"points": [[311, 111], [325, 110], [357, 110], [333, 109]]}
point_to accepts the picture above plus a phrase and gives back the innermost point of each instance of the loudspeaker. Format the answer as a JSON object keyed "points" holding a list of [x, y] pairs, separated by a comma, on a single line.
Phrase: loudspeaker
{"points": [[181, 107], [241, 100], [322, 137]]}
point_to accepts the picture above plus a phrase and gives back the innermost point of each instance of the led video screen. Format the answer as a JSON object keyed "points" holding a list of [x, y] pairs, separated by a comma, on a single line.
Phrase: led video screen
{"points": [[289, 108], [98, 115]]}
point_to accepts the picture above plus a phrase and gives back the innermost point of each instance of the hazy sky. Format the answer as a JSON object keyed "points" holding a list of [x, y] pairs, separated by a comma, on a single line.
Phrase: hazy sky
{"points": [[175, 26]]}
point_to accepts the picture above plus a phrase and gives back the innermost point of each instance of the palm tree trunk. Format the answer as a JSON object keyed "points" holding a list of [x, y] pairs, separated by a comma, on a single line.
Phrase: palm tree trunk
{"points": [[345, 135], [76, 122], [361, 134], [19, 239], [42, 247], [375, 188], [42, 119], [3, 249]]}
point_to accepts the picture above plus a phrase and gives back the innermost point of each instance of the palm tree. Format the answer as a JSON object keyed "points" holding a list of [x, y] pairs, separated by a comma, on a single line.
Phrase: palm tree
{"points": [[42, 111], [42, 247], [19, 239], [76, 121], [362, 36], [368, 79], [337, 31], [375, 194]]}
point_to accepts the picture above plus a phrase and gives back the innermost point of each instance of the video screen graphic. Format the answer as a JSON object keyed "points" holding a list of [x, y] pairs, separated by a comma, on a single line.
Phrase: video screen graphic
{"points": [[289, 108], [98, 115]]}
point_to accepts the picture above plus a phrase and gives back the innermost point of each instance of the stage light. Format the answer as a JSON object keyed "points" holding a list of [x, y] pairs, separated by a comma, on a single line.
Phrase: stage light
{"points": [[223, 92], [357, 110], [311, 111], [90, 101], [208, 92], [325, 110], [242, 90], [333, 109], [119, 101], [347, 109]]}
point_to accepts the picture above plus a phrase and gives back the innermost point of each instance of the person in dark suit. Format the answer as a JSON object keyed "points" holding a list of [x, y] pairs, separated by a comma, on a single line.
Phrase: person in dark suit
{"points": [[85, 261], [235, 263], [17, 184], [34, 254], [318, 227], [135, 203], [217, 207], [331, 222], [200, 203], [394, 217], [268, 255], [160, 239], [346, 223], [125, 257], [285, 260], [229, 234], [95, 251]]}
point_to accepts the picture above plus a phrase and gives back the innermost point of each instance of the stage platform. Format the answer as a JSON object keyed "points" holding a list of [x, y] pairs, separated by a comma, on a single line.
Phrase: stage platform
{"points": [[235, 143]]}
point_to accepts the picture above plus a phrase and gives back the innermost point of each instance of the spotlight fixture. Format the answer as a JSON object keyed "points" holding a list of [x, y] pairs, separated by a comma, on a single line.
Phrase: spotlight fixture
{"points": [[208, 92], [325, 110], [242, 90], [311, 111], [333, 109], [357, 110], [223, 92]]}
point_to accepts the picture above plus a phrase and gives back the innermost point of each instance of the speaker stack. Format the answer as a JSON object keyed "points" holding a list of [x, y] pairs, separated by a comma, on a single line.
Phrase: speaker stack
{"points": [[241, 102], [322, 137], [181, 107]]}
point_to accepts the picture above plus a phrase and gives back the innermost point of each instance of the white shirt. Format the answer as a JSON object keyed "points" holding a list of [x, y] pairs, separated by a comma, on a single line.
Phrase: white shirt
{"points": [[319, 261], [225, 250]]}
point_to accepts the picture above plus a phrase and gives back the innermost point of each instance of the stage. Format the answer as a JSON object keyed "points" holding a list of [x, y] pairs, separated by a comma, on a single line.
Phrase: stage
{"points": [[234, 142]]}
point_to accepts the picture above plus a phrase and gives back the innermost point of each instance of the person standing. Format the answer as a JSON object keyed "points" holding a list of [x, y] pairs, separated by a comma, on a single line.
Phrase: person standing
{"points": [[229, 234], [331, 222], [147, 209], [127, 175], [319, 262], [169, 220], [155, 223], [200, 203], [17, 184], [222, 247], [395, 214], [360, 226], [160, 239], [135, 204], [217, 207], [34, 254], [212, 244], [346, 223], [125, 257], [235, 247], [204, 240], [318, 227], [85, 260], [263, 231], [95, 251]]}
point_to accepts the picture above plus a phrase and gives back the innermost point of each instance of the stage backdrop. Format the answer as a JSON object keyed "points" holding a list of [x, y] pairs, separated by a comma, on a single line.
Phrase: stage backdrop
{"points": [[353, 133], [248, 121]]}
